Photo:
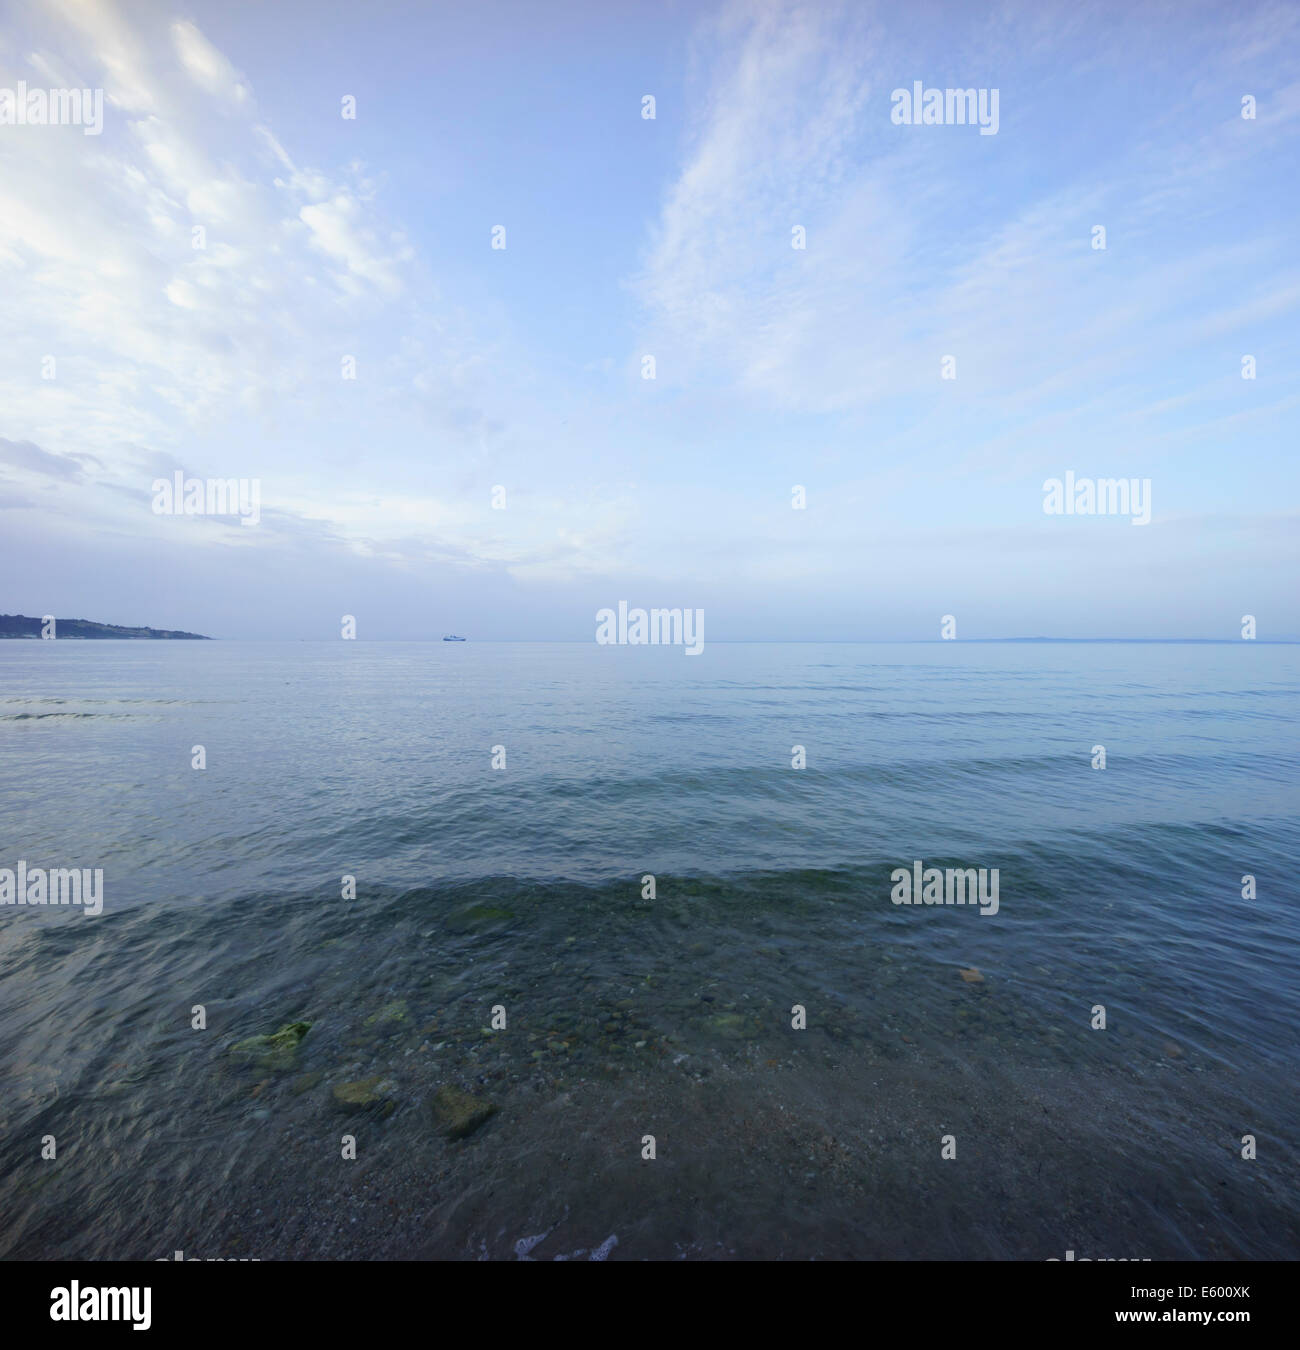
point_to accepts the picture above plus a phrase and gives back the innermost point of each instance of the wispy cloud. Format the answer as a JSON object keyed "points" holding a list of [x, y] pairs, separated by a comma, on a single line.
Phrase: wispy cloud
{"points": [[921, 243], [176, 271]]}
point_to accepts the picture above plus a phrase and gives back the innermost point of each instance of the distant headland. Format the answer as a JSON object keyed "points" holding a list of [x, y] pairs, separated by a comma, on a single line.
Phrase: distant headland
{"points": [[20, 626]]}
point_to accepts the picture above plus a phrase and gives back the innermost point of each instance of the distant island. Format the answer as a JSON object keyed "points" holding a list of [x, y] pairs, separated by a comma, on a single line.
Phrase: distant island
{"points": [[20, 626]]}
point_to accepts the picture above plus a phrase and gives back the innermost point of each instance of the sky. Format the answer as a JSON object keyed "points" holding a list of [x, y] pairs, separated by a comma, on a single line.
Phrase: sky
{"points": [[517, 375]]}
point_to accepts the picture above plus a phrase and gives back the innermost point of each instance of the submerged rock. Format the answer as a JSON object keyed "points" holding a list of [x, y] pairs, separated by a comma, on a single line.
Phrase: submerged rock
{"points": [[728, 1024], [460, 1113], [275, 1051], [366, 1094], [390, 1012]]}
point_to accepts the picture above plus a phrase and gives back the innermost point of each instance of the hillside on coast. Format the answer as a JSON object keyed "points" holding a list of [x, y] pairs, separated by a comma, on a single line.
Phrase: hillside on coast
{"points": [[21, 626]]}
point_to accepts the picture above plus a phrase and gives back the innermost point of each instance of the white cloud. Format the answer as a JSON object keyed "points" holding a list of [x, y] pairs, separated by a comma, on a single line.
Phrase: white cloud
{"points": [[98, 265], [208, 68], [337, 231]]}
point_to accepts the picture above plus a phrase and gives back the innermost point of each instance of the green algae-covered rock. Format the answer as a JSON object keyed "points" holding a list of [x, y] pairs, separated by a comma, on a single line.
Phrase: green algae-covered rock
{"points": [[478, 917], [275, 1051], [366, 1094], [390, 1012], [460, 1113], [728, 1024]]}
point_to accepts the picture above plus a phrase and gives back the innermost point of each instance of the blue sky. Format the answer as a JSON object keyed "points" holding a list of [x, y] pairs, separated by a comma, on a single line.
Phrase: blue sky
{"points": [[671, 237]]}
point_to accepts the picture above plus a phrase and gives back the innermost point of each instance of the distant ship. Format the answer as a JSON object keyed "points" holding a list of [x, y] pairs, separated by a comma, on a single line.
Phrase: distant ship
{"points": [[451, 637]]}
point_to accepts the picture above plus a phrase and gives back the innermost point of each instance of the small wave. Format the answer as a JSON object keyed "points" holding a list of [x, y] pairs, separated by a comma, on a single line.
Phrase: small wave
{"points": [[61, 716]]}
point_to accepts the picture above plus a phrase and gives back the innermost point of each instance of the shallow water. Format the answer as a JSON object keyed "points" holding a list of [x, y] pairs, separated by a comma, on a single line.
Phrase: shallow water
{"points": [[626, 1017]]}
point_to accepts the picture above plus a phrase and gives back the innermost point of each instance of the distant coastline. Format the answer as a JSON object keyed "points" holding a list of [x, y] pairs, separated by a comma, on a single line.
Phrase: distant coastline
{"points": [[22, 626]]}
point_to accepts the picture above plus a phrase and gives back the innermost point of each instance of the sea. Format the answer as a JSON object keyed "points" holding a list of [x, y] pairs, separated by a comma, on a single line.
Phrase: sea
{"points": [[635, 915]]}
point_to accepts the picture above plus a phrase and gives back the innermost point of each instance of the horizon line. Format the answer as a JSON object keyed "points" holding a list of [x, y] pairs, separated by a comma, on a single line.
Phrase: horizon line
{"points": [[773, 642]]}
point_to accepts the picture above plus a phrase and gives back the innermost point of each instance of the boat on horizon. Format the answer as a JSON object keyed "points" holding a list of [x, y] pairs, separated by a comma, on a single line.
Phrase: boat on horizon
{"points": [[451, 637]]}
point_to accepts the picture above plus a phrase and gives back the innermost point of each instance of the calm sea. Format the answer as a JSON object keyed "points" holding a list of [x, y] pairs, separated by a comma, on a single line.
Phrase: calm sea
{"points": [[632, 1016]]}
